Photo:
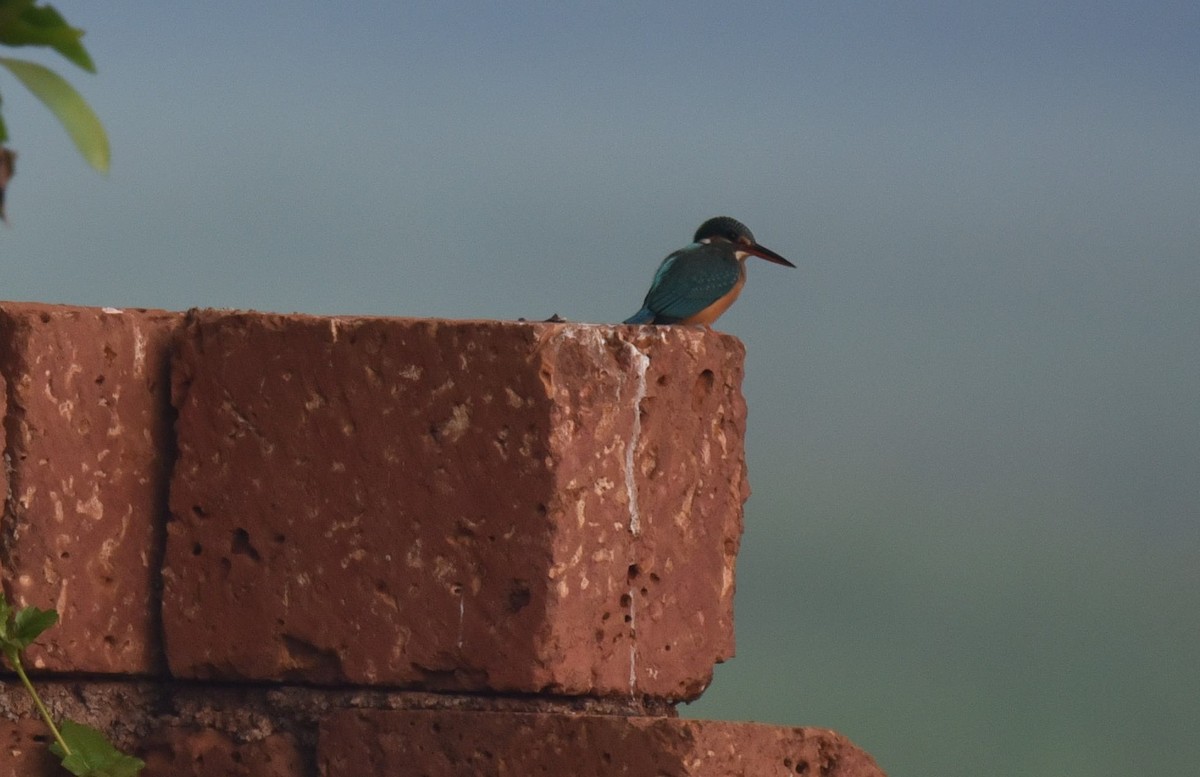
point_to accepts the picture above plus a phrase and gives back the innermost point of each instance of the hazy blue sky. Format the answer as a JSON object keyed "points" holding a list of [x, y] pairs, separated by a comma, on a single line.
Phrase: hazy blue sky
{"points": [[974, 540]]}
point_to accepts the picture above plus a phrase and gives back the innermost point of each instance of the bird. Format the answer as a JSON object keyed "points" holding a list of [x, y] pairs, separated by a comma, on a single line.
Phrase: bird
{"points": [[698, 283]]}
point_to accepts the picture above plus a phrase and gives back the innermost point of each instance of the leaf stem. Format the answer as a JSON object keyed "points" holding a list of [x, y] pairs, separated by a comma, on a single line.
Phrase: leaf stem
{"points": [[15, 659]]}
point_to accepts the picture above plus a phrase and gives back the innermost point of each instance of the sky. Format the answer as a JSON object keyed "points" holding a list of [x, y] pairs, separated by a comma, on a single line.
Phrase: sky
{"points": [[974, 431]]}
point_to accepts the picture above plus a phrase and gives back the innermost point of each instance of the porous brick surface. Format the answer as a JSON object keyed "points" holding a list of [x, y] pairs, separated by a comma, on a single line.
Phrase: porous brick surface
{"points": [[206, 753], [369, 743], [23, 751], [454, 505], [549, 511], [86, 438], [171, 752], [237, 729]]}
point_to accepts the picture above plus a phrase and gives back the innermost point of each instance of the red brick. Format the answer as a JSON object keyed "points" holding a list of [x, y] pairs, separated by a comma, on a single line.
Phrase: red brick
{"points": [[4, 445], [23, 750], [206, 753], [86, 433], [447, 505], [362, 743]]}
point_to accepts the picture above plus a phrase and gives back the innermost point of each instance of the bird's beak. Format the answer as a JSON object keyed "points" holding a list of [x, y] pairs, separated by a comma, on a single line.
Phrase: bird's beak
{"points": [[766, 253]]}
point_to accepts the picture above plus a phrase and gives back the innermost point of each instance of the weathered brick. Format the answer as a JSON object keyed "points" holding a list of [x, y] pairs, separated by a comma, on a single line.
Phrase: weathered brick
{"points": [[179, 752], [23, 750], [454, 505], [362, 743], [86, 433]]}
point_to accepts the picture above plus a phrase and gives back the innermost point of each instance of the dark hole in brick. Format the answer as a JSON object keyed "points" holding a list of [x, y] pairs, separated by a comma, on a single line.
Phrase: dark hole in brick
{"points": [[626, 600], [241, 545], [519, 595], [703, 387], [634, 571], [197, 549]]}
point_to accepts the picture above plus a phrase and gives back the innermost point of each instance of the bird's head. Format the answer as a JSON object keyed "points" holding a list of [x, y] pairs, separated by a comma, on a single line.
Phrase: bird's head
{"points": [[730, 230]]}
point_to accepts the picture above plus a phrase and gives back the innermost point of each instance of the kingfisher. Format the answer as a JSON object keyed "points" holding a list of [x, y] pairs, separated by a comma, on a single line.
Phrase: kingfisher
{"points": [[696, 284]]}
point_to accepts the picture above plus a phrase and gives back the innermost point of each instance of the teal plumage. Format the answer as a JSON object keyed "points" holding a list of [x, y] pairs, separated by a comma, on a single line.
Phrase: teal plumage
{"points": [[696, 284], [687, 282]]}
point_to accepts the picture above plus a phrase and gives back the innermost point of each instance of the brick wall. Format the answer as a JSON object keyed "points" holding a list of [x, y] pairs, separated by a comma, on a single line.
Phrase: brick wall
{"points": [[293, 545]]}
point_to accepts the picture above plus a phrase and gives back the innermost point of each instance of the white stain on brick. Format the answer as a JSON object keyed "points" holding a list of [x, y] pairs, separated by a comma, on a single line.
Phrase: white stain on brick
{"points": [[641, 363], [139, 351], [461, 612]]}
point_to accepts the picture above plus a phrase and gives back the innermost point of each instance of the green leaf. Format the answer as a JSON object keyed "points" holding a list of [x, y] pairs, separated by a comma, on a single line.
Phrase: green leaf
{"points": [[30, 25], [92, 755], [71, 109], [19, 630], [29, 623], [5, 615]]}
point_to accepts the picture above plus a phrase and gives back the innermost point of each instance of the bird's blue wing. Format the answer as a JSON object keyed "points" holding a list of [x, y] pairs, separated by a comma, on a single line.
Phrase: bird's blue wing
{"points": [[643, 316], [690, 280]]}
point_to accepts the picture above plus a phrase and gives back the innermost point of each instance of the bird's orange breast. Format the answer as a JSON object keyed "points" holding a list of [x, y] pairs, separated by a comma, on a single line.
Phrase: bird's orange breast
{"points": [[711, 313]]}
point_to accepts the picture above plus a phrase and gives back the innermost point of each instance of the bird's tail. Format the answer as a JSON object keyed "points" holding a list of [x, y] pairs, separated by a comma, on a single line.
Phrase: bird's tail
{"points": [[643, 316]]}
